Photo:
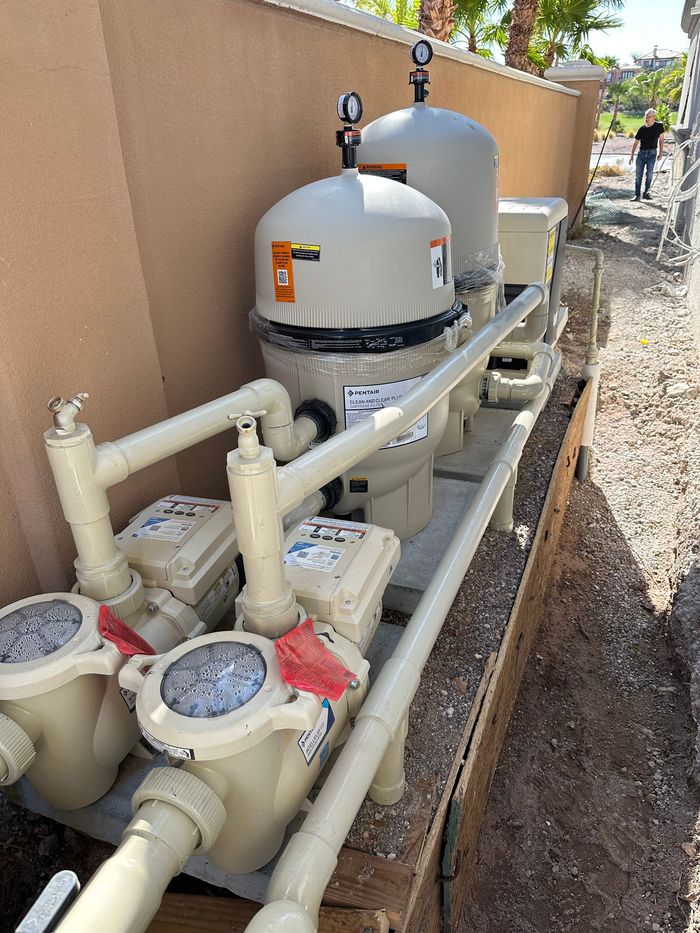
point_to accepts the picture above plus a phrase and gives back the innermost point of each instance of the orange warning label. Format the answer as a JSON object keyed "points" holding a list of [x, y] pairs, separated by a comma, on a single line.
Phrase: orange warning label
{"points": [[443, 239], [396, 171], [282, 272]]}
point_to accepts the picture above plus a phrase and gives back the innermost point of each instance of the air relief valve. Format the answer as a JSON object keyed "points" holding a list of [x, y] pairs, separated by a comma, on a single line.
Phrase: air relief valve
{"points": [[421, 53]]}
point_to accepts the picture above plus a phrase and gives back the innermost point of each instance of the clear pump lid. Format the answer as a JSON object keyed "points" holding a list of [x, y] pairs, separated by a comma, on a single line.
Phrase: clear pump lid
{"points": [[37, 630], [213, 679]]}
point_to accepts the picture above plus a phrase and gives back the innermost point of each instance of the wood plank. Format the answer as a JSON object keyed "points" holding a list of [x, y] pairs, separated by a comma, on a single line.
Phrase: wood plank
{"points": [[363, 880], [423, 913], [472, 790], [189, 913]]}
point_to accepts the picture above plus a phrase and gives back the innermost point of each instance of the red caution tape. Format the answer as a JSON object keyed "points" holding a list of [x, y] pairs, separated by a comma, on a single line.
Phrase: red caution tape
{"points": [[307, 665], [125, 638]]}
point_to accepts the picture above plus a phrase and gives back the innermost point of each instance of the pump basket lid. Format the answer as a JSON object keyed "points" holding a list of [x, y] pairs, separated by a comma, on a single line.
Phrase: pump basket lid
{"points": [[47, 640]]}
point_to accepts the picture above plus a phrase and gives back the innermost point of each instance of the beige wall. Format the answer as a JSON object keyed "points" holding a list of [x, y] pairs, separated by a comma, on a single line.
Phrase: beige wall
{"points": [[142, 141]]}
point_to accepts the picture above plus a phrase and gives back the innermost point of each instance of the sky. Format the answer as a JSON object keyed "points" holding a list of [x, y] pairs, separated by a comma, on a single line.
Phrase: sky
{"points": [[646, 23]]}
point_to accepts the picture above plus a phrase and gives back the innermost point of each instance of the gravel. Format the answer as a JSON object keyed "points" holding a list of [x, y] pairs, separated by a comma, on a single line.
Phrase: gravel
{"points": [[609, 682]]}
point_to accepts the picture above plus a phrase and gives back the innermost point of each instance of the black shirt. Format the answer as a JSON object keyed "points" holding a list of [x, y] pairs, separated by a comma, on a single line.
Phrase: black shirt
{"points": [[648, 136]]}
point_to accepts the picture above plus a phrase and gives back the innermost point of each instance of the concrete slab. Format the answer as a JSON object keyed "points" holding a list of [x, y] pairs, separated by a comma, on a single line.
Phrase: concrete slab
{"points": [[480, 445], [421, 554]]}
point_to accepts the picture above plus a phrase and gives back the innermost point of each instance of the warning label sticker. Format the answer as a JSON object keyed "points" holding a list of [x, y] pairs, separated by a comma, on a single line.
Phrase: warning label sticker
{"points": [[282, 273], [396, 171], [336, 527], [440, 261], [164, 529], [311, 740], [129, 698], [175, 751], [311, 556], [308, 251], [362, 401], [551, 251]]}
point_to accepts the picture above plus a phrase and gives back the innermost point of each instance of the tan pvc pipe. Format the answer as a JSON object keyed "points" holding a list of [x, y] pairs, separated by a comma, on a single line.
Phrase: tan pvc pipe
{"points": [[591, 366], [83, 471], [268, 602], [126, 891], [499, 388], [320, 465], [307, 863]]}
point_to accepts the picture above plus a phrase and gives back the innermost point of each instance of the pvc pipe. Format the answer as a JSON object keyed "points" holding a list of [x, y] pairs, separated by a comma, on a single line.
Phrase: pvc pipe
{"points": [[311, 506], [126, 890], [332, 458], [83, 472], [591, 367], [307, 863], [497, 387], [263, 398], [268, 602]]}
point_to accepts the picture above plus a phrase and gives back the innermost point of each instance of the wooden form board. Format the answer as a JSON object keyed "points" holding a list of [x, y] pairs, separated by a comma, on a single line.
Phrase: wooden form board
{"points": [[427, 892], [470, 795]]}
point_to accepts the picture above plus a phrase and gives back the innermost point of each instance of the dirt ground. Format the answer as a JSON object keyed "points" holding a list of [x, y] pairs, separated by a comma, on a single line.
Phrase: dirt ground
{"points": [[591, 823]]}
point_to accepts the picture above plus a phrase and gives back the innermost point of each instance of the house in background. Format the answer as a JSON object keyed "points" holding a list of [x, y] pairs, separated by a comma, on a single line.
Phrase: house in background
{"points": [[622, 73], [659, 58]]}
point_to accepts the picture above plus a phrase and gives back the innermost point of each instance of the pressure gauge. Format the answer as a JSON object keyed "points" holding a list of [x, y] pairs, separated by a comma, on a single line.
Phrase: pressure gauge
{"points": [[422, 53], [350, 107]]}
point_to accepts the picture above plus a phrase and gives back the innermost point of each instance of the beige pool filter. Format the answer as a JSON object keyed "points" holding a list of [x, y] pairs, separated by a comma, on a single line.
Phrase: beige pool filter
{"points": [[354, 303]]}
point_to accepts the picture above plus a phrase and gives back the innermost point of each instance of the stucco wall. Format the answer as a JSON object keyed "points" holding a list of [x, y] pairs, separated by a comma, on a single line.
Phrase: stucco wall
{"points": [[142, 141]]}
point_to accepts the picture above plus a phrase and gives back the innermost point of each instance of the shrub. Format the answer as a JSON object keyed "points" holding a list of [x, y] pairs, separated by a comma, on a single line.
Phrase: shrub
{"points": [[631, 134], [610, 171]]}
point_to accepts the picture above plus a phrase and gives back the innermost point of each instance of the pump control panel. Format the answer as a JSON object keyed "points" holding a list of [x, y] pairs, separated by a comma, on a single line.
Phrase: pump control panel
{"points": [[339, 571], [188, 546]]}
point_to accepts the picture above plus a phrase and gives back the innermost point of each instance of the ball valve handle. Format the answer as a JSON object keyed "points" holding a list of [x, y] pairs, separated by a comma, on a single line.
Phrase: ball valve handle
{"points": [[52, 904], [348, 139], [421, 53]]}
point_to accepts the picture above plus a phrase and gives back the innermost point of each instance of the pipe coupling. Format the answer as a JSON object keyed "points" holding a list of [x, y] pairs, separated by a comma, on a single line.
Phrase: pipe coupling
{"points": [[16, 750], [190, 795]]}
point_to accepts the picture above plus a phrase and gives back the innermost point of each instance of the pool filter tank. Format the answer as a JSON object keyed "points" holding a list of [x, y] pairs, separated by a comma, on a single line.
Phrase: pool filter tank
{"points": [[453, 161], [354, 295]]}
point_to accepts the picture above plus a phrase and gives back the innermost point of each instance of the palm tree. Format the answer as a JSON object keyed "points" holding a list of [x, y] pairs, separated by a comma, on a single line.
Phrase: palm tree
{"points": [[672, 84], [563, 27], [481, 24], [437, 19], [649, 85], [403, 12], [522, 24]]}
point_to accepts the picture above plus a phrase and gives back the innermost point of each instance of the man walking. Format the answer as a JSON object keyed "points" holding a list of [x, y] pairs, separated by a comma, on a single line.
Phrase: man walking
{"points": [[648, 137]]}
